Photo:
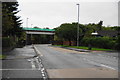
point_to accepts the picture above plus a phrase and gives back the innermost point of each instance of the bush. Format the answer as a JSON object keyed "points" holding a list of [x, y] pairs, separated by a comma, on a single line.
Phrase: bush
{"points": [[117, 45], [7, 42], [99, 42]]}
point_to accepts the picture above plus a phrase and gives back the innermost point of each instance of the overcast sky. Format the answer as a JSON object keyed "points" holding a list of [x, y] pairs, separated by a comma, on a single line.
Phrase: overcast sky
{"points": [[52, 13]]}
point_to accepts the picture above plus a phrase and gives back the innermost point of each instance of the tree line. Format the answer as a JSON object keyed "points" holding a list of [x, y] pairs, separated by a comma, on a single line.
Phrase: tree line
{"points": [[10, 22], [11, 30], [68, 32]]}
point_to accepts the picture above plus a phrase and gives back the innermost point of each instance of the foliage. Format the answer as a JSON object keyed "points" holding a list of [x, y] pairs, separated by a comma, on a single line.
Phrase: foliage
{"points": [[68, 31], [11, 30], [41, 39], [99, 25], [117, 46], [2, 56], [83, 47], [7, 42], [92, 27], [36, 27], [89, 28], [10, 22], [100, 42]]}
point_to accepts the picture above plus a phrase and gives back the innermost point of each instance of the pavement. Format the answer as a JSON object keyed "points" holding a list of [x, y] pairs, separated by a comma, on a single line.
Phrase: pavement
{"points": [[65, 63], [21, 63]]}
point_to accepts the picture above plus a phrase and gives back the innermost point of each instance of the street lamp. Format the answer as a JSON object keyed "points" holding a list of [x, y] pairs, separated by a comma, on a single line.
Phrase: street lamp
{"points": [[78, 27], [31, 25], [26, 27], [27, 22]]}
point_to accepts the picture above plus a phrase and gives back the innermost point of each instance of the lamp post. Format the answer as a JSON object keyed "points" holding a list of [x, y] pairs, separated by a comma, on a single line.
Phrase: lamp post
{"points": [[27, 22], [26, 33], [78, 27], [31, 25]]}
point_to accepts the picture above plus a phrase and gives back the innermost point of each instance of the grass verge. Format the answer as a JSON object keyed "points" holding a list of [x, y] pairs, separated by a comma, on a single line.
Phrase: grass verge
{"points": [[2, 56], [83, 47]]}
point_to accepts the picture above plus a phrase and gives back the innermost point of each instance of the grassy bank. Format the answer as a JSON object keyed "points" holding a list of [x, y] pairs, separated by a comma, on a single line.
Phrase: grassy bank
{"points": [[2, 56], [83, 47]]}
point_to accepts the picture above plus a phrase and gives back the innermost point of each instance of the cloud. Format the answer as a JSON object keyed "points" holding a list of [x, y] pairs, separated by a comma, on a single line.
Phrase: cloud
{"points": [[45, 14]]}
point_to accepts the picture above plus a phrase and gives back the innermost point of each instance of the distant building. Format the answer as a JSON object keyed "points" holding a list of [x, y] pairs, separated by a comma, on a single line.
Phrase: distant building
{"points": [[109, 33], [8, 0]]}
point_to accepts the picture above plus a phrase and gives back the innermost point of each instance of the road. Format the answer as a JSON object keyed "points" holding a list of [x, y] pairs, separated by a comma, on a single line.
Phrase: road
{"points": [[46, 61], [64, 63]]}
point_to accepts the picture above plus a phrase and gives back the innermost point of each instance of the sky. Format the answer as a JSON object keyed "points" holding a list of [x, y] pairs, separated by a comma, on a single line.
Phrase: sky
{"points": [[53, 13]]}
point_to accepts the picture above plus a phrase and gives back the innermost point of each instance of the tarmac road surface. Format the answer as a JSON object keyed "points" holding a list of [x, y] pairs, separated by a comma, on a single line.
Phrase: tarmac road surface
{"points": [[64, 63], [41, 61]]}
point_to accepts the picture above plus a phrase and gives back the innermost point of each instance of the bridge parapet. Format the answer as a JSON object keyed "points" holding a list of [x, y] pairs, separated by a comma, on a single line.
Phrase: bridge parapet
{"points": [[39, 31]]}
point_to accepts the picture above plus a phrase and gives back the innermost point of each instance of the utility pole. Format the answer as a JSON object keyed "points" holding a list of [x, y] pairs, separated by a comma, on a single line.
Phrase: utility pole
{"points": [[78, 27]]}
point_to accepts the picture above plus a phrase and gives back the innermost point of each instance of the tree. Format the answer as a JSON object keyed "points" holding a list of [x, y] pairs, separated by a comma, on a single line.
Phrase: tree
{"points": [[11, 31], [89, 28], [36, 27], [68, 32], [10, 22], [92, 27], [99, 25]]}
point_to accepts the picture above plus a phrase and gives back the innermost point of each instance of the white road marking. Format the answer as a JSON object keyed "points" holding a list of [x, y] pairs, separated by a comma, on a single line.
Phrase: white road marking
{"points": [[42, 72], [107, 66], [42, 69], [102, 65], [43, 75], [29, 60], [44, 78], [33, 65], [39, 67], [16, 69]]}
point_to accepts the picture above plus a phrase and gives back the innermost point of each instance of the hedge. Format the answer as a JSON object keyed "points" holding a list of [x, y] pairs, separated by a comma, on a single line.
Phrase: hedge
{"points": [[99, 42], [7, 42]]}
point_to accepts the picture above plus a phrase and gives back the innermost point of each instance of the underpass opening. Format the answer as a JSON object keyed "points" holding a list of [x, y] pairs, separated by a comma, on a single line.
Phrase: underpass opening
{"points": [[39, 36]]}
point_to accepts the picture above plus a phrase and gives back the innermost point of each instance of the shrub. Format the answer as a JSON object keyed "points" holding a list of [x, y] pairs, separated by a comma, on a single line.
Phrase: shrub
{"points": [[100, 42], [7, 42]]}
